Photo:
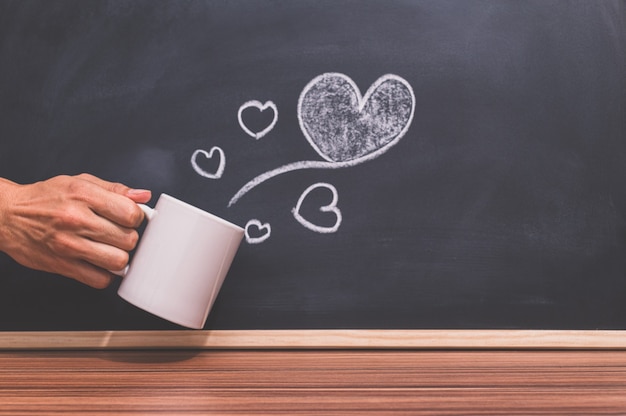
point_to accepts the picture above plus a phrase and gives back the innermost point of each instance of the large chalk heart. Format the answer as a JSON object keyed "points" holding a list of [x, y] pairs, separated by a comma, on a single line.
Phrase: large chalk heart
{"points": [[343, 126]]}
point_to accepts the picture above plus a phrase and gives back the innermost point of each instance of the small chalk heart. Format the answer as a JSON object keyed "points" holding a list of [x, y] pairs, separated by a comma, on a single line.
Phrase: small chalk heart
{"points": [[261, 107], [331, 207], [209, 155], [261, 231]]}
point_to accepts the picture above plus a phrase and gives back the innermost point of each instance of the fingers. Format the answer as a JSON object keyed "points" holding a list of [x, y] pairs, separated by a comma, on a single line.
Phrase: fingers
{"points": [[106, 232], [71, 267], [140, 196], [111, 234], [117, 188], [99, 230], [95, 253], [137, 195], [87, 274], [112, 200], [108, 236]]}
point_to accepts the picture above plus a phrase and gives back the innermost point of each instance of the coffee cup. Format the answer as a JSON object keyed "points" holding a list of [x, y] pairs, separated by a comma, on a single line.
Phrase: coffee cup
{"points": [[180, 262]]}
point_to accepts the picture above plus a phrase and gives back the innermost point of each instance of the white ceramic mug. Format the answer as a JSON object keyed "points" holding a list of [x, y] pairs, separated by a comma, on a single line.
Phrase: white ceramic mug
{"points": [[180, 263]]}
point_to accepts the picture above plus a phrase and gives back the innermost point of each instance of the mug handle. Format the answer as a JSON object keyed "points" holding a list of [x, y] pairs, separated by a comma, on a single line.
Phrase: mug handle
{"points": [[149, 213]]}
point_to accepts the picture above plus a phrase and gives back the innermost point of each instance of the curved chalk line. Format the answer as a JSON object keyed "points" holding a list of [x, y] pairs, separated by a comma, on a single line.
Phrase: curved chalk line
{"points": [[307, 164]]}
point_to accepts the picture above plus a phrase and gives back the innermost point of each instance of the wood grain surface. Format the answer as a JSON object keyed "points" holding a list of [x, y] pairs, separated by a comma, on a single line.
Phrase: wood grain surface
{"points": [[294, 382]]}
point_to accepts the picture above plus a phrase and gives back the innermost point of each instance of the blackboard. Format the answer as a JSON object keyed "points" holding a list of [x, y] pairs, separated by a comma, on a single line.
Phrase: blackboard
{"points": [[483, 184]]}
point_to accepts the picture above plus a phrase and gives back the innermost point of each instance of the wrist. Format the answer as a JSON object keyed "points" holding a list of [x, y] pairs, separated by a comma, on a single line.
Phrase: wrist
{"points": [[7, 189]]}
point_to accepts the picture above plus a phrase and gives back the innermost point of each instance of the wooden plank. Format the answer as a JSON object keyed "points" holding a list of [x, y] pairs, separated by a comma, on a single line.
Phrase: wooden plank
{"points": [[316, 339], [295, 382]]}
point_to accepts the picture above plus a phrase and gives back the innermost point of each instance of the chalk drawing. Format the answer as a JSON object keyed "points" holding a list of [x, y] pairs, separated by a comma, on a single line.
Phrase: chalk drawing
{"points": [[209, 155], [341, 125], [331, 207], [261, 107], [265, 230], [344, 127]]}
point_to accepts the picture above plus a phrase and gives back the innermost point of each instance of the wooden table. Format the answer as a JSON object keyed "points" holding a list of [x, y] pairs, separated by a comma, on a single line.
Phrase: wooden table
{"points": [[293, 382]]}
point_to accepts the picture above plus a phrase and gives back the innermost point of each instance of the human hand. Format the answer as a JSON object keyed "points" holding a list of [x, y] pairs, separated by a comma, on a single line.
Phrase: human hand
{"points": [[77, 226]]}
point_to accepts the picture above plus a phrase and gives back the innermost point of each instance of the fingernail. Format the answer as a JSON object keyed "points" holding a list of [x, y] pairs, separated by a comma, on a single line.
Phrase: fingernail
{"points": [[138, 191]]}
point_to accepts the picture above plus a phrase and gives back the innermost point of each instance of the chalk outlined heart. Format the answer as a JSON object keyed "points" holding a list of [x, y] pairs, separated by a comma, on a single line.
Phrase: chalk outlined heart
{"points": [[209, 155], [331, 207], [264, 228], [262, 107], [343, 126]]}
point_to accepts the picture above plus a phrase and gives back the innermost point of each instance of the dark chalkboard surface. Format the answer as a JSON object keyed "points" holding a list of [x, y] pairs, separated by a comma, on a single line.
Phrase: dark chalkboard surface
{"points": [[470, 156]]}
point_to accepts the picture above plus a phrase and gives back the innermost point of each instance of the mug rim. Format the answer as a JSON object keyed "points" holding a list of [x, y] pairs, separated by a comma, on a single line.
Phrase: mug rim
{"points": [[201, 211]]}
